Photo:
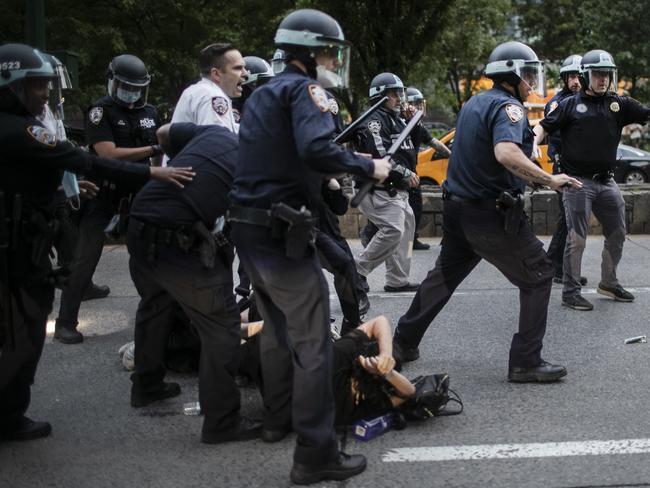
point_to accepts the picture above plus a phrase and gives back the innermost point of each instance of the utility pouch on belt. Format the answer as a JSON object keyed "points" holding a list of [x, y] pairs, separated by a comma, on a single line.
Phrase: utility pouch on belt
{"points": [[511, 204], [297, 227]]}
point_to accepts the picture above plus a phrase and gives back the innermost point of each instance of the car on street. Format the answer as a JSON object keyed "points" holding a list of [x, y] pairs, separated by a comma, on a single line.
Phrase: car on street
{"points": [[633, 165]]}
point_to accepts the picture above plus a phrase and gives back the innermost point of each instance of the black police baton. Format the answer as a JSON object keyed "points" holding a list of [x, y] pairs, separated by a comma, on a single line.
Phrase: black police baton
{"points": [[346, 135], [368, 184]]}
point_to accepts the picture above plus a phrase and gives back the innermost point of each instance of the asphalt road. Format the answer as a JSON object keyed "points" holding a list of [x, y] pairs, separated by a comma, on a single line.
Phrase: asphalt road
{"points": [[531, 435]]}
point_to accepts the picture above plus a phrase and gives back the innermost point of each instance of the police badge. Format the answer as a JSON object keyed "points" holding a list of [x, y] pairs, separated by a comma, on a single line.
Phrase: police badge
{"points": [[95, 115], [614, 107], [581, 107], [334, 106], [220, 105], [319, 97], [42, 135], [515, 112], [374, 126]]}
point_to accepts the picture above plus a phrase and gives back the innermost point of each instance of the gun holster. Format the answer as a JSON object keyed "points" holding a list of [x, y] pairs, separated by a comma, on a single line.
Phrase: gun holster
{"points": [[296, 226], [511, 205]]}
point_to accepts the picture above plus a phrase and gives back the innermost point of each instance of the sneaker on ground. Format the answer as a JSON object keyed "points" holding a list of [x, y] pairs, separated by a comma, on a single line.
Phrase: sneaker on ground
{"points": [[617, 292], [577, 302]]}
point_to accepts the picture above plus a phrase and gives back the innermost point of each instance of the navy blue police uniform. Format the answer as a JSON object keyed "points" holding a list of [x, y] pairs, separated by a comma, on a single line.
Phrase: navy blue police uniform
{"points": [[473, 227], [127, 128], [590, 131], [168, 237], [556, 247], [286, 148], [333, 250], [28, 149]]}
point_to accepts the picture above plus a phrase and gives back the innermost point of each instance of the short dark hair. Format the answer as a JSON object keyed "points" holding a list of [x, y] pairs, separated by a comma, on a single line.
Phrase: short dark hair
{"points": [[212, 56]]}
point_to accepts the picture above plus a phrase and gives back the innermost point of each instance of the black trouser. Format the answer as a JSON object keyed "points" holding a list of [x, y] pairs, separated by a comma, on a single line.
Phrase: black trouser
{"points": [[65, 239], [415, 201], [296, 348], [336, 257], [558, 241], [32, 303], [207, 298], [470, 234], [90, 243]]}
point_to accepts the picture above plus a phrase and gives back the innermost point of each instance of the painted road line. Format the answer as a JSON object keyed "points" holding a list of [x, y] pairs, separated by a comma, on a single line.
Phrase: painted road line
{"points": [[514, 451], [483, 292]]}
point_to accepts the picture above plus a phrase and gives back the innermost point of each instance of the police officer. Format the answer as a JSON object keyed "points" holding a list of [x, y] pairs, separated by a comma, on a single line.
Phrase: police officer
{"points": [[490, 163], [570, 74], [209, 101], [590, 125], [174, 257], [258, 72], [333, 250], [68, 198], [285, 148], [388, 205], [120, 125], [420, 136], [26, 278]]}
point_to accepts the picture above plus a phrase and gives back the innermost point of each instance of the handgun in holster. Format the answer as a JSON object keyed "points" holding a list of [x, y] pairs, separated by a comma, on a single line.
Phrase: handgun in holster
{"points": [[511, 204], [297, 226]]}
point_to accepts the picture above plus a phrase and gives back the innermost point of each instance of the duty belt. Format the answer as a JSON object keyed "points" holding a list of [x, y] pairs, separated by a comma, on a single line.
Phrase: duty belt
{"points": [[486, 203], [601, 177], [250, 215]]}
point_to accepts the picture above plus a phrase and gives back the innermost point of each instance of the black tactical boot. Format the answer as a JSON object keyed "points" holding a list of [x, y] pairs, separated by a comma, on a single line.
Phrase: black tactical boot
{"points": [[67, 334]]}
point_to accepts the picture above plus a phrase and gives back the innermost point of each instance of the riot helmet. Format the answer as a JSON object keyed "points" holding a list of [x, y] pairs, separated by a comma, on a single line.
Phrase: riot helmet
{"points": [[385, 83], [512, 62], [315, 39], [594, 67], [279, 61], [415, 98], [259, 71], [25, 77], [128, 81]]}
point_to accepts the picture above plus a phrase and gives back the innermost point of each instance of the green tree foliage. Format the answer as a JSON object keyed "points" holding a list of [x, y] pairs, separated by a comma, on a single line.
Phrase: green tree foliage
{"points": [[455, 60], [438, 45]]}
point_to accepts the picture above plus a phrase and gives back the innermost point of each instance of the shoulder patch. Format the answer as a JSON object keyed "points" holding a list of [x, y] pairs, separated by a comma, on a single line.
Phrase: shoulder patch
{"points": [[42, 135], [319, 97], [553, 106], [374, 126], [95, 115], [334, 106], [614, 107], [220, 105], [515, 112]]}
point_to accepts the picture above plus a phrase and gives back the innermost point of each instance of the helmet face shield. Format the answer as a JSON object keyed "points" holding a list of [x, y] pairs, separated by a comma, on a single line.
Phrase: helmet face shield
{"points": [[333, 66], [128, 94], [600, 80], [532, 73]]}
